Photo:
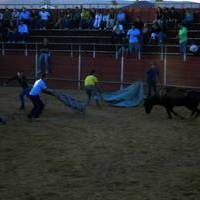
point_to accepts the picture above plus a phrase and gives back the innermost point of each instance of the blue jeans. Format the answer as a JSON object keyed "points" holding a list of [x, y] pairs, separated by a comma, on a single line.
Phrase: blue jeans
{"points": [[134, 48], [24, 92], [183, 47], [43, 58]]}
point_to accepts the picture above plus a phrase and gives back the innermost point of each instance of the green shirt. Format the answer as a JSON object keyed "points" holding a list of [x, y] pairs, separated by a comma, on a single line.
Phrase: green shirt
{"points": [[182, 35], [90, 80]]}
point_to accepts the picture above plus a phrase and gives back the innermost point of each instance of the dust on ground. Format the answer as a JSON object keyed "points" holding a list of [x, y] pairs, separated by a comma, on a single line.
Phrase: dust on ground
{"points": [[108, 154]]}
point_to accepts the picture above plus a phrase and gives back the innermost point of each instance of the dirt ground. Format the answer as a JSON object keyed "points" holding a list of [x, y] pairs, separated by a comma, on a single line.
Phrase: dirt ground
{"points": [[108, 154]]}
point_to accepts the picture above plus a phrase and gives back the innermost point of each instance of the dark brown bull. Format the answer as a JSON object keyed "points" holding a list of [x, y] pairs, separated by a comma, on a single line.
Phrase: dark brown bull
{"points": [[171, 97]]}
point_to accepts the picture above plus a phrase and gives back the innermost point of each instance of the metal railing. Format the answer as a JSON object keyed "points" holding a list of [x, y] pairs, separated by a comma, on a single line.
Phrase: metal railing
{"points": [[77, 51]]}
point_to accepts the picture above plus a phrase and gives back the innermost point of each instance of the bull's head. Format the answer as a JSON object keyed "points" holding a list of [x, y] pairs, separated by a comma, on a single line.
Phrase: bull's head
{"points": [[148, 105]]}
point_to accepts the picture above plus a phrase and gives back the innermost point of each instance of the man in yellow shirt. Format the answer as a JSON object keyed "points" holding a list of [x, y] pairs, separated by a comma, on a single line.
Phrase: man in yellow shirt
{"points": [[91, 87]]}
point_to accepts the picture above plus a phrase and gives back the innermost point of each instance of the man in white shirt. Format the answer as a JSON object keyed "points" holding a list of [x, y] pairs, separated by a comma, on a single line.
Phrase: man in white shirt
{"points": [[133, 35], [38, 106]]}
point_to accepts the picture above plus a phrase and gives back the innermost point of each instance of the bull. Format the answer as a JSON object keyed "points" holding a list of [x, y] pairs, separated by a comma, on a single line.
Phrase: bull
{"points": [[171, 97]]}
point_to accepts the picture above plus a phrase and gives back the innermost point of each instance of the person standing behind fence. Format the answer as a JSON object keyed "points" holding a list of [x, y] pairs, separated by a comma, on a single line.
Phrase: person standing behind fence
{"points": [[152, 75], [133, 35], [183, 38], [92, 88], [44, 57]]}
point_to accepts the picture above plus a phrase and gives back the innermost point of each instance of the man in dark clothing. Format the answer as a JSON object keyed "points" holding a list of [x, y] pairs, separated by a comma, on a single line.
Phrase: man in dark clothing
{"points": [[152, 75], [21, 79]]}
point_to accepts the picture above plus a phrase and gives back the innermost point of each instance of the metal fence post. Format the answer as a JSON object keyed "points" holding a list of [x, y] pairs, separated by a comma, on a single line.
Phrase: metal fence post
{"points": [[165, 68], [139, 52], [116, 52], [3, 50], [94, 51], [161, 50], [36, 61], [26, 50], [79, 68], [71, 50], [184, 56], [122, 72]]}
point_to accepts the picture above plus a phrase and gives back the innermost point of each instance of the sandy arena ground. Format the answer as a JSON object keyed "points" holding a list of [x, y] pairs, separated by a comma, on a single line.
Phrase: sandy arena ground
{"points": [[108, 154]]}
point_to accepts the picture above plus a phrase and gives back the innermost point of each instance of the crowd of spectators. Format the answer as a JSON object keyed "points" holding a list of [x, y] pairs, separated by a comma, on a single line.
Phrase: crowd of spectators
{"points": [[15, 25]]}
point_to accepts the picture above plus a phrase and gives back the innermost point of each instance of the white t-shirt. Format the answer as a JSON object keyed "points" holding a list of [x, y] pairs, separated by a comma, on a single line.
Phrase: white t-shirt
{"points": [[44, 15], [38, 86]]}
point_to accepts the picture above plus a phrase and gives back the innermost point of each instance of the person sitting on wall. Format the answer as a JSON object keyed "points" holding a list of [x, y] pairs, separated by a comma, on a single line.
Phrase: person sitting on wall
{"points": [[44, 57]]}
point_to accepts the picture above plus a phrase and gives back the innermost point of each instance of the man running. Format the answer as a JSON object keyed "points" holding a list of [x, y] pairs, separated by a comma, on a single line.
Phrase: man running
{"points": [[91, 87], [21, 79], [38, 106]]}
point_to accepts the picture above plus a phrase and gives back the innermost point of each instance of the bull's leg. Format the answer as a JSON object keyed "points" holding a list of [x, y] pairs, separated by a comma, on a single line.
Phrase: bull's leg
{"points": [[169, 113], [194, 110], [176, 114], [197, 113]]}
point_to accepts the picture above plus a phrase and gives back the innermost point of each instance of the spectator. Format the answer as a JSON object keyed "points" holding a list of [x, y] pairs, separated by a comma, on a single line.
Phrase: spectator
{"points": [[105, 19], [97, 21], [145, 34], [76, 18], [15, 17], [3, 32], [139, 23], [35, 21], [1, 17], [188, 17], [25, 16], [111, 22], [183, 38], [44, 18], [155, 30], [23, 31], [12, 33], [162, 37], [85, 18], [133, 35], [118, 32], [121, 17], [44, 57], [152, 74], [6, 17], [174, 17]]}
